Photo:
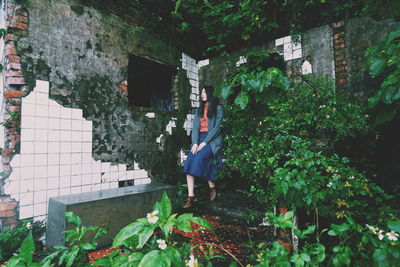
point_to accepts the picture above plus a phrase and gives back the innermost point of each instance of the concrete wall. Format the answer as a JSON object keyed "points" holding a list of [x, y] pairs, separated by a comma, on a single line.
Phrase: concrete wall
{"points": [[82, 135], [334, 51], [360, 34]]}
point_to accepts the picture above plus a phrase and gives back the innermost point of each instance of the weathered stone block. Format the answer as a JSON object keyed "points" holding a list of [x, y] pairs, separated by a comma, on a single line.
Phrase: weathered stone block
{"points": [[112, 209]]}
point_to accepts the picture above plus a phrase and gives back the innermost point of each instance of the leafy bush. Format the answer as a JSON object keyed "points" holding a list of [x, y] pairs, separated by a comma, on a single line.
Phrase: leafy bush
{"points": [[351, 244], [77, 246], [11, 238], [285, 145], [149, 241], [384, 62]]}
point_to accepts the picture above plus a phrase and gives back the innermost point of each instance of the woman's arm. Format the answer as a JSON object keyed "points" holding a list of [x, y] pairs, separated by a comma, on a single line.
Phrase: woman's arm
{"points": [[216, 130]]}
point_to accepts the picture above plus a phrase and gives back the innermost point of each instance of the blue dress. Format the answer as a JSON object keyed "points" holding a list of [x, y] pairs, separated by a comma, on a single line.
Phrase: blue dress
{"points": [[203, 164]]}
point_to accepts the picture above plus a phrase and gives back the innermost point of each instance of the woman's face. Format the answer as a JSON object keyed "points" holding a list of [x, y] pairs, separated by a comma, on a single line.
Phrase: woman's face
{"points": [[203, 95]]}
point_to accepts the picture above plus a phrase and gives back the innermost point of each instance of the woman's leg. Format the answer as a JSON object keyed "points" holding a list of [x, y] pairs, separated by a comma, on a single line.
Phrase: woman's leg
{"points": [[213, 190], [190, 185]]}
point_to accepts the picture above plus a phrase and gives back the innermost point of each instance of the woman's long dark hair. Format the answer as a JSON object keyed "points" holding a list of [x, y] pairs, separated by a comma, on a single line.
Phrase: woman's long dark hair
{"points": [[212, 102]]}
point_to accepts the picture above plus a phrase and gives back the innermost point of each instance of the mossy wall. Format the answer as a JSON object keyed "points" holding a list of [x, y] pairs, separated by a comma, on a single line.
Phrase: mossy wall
{"points": [[84, 54], [318, 44]]}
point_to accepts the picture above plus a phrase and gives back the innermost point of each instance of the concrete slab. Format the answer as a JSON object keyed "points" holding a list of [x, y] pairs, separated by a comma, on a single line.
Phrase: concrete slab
{"points": [[112, 209]]}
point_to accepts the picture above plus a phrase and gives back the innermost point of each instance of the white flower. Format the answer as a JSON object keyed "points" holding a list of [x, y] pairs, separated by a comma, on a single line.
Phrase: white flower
{"points": [[392, 236], [327, 116], [151, 217], [193, 262], [329, 184], [351, 177], [161, 244], [373, 229], [380, 234], [29, 225]]}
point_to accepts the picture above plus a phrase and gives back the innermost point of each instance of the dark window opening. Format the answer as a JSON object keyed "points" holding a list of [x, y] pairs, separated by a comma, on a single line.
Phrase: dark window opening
{"points": [[150, 84]]}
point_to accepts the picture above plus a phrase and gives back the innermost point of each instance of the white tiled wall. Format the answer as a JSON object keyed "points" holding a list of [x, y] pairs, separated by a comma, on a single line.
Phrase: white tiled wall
{"points": [[291, 49], [192, 70], [56, 156]]}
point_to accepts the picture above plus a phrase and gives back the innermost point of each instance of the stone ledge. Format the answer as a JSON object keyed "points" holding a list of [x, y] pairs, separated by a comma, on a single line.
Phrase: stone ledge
{"points": [[112, 209]]}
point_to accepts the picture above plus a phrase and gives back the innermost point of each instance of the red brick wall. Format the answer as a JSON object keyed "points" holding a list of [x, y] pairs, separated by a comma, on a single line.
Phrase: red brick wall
{"points": [[14, 88], [339, 56]]}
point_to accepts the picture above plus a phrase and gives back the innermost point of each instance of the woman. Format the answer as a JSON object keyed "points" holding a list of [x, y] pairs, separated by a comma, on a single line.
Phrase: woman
{"points": [[204, 157]]}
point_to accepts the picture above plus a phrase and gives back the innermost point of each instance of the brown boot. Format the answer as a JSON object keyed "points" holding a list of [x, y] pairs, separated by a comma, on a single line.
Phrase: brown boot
{"points": [[213, 193], [189, 202]]}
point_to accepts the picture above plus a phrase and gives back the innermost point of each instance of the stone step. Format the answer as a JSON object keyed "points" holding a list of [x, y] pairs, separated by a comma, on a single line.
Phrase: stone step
{"points": [[232, 205]]}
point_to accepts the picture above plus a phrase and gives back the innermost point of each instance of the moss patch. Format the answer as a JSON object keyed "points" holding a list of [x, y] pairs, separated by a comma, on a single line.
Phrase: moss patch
{"points": [[78, 9]]}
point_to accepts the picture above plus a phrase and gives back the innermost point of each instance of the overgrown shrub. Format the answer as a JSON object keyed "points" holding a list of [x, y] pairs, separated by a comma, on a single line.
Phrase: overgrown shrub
{"points": [[283, 141], [11, 238]]}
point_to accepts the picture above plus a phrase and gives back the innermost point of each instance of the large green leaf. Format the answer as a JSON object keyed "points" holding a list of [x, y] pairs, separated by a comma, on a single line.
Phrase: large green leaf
{"points": [[377, 67], [309, 230], [242, 99], [184, 226], [170, 223], [127, 232], [72, 218], [174, 255], [136, 256], [185, 217], [27, 248], [72, 255], [390, 94], [154, 259], [288, 215], [393, 35], [165, 206], [144, 235], [87, 246], [394, 225], [202, 222]]}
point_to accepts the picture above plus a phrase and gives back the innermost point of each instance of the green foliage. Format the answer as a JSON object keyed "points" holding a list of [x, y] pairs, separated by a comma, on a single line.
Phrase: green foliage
{"points": [[285, 147], [232, 25], [14, 116], [25, 256], [2, 33], [350, 244], [77, 243], [11, 238], [384, 62], [258, 86], [149, 241]]}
